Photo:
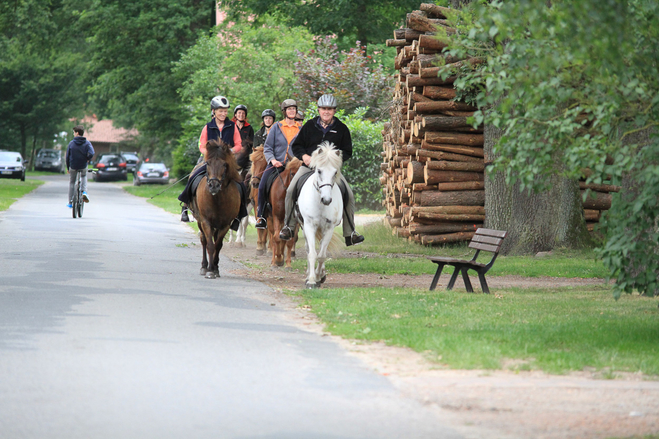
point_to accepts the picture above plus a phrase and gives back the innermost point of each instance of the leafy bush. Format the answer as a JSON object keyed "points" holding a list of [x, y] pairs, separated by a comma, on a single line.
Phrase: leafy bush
{"points": [[353, 77]]}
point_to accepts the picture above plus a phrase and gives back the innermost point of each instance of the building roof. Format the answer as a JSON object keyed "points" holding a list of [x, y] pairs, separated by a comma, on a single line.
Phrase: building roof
{"points": [[103, 130]]}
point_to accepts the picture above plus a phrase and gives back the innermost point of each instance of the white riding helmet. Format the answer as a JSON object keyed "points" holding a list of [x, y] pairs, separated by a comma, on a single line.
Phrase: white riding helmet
{"points": [[219, 102], [328, 101]]}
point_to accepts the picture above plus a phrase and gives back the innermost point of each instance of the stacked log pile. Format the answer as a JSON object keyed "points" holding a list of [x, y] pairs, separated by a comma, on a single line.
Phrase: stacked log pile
{"points": [[433, 160]]}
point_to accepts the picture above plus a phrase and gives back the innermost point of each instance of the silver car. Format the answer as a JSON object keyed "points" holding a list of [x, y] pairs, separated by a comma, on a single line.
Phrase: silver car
{"points": [[151, 173], [12, 165], [49, 160]]}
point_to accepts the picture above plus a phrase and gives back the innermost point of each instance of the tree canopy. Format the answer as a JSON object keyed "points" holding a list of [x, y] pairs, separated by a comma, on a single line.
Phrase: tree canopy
{"points": [[366, 21], [575, 82]]}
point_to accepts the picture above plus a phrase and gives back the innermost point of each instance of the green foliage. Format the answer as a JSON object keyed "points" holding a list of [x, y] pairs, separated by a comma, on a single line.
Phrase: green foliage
{"points": [[354, 78], [554, 330], [363, 169], [40, 71], [574, 80], [132, 45], [364, 21]]}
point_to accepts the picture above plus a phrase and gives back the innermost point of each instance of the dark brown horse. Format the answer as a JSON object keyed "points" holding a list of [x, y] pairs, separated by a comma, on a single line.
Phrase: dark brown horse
{"points": [[216, 203], [276, 214]]}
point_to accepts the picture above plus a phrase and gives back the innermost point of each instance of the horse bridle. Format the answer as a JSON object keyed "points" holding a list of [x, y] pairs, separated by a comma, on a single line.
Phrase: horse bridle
{"points": [[208, 181]]}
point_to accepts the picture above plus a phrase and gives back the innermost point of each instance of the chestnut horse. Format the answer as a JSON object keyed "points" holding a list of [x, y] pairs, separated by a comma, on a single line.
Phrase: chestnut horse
{"points": [[258, 167], [277, 212], [216, 203]]}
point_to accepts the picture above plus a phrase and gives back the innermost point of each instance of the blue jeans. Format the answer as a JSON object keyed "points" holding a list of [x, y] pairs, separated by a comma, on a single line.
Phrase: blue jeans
{"points": [[262, 186]]}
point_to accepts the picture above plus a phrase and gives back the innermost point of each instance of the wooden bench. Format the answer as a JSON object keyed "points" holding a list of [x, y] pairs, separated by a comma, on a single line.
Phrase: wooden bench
{"points": [[485, 239]]}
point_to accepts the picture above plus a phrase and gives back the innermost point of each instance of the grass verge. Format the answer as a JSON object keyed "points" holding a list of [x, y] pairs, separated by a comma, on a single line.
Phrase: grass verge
{"points": [[554, 330], [11, 190]]}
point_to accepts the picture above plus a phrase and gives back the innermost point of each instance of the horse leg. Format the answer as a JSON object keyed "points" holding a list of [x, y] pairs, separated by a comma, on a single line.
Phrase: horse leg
{"points": [[321, 275], [204, 261], [294, 240], [211, 254], [216, 257], [310, 236], [261, 241]]}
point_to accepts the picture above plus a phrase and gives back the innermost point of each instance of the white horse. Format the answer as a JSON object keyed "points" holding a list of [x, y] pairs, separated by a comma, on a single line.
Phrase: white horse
{"points": [[321, 207], [242, 229]]}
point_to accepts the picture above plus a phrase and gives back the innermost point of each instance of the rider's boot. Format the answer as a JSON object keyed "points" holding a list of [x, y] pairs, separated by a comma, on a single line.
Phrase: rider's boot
{"points": [[354, 239], [184, 214], [261, 223], [286, 233]]}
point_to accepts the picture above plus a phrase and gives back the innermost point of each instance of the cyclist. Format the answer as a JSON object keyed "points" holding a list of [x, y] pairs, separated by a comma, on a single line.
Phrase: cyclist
{"points": [[219, 128], [324, 127], [78, 154]]}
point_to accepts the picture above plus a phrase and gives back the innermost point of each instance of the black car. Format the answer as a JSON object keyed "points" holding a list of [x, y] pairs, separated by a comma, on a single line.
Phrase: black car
{"points": [[110, 166], [151, 173], [131, 160]]}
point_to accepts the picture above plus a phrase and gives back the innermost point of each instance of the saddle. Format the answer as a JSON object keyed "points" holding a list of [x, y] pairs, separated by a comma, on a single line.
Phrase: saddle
{"points": [[268, 186]]}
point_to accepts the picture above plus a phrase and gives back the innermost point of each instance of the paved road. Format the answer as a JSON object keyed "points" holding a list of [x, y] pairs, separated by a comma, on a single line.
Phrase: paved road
{"points": [[108, 331]]}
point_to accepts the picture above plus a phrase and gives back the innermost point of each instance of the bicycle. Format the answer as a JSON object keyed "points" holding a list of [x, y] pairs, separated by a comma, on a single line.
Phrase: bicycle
{"points": [[78, 202]]}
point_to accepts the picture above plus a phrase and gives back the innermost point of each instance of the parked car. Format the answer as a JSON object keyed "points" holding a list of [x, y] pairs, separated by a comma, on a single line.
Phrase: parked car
{"points": [[151, 173], [49, 160], [131, 160], [12, 165], [111, 166]]}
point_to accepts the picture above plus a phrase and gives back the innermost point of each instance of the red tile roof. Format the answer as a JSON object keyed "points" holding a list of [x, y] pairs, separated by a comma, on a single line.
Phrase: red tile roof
{"points": [[103, 130]]}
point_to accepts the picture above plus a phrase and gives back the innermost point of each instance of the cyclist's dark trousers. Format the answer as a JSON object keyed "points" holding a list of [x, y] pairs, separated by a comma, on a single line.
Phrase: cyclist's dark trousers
{"points": [[72, 180], [262, 187]]}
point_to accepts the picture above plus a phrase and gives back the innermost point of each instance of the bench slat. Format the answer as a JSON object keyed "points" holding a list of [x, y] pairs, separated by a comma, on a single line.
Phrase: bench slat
{"points": [[487, 239], [492, 232], [486, 247]]}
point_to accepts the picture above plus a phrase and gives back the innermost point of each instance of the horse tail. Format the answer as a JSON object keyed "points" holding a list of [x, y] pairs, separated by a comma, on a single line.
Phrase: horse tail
{"points": [[335, 245]]}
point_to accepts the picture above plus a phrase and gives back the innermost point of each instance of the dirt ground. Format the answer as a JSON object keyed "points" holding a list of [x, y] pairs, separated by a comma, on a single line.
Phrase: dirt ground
{"points": [[478, 403]]}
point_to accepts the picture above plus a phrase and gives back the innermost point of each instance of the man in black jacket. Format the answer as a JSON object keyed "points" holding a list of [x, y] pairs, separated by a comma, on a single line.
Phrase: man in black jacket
{"points": [[325, 127], [79, 152]]}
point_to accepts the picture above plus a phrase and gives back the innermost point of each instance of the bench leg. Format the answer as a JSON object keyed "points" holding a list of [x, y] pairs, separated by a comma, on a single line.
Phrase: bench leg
{"points": [[465, 278], [454, 277], [435, 279], [481, 276]]}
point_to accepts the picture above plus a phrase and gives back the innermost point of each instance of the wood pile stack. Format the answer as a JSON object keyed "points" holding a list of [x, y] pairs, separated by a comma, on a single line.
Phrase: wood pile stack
{"points": [[433, 160]]}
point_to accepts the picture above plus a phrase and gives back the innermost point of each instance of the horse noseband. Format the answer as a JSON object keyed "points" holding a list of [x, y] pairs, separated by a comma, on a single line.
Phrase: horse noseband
{"points": [[209, 180]]}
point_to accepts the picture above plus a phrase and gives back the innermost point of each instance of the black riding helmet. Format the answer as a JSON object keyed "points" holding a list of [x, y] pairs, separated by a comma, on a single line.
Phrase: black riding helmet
{"points": [[268, 112], [240, 107]]}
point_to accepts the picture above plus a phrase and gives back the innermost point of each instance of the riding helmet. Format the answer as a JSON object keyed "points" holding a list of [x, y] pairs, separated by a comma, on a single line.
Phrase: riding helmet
{"points": [[288, 103], [219, 102], [240, 107], [268, 112], [328, 101]]}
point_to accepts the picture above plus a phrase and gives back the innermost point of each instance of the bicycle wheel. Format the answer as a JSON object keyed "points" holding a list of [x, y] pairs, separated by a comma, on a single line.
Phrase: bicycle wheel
{"points": [[81, 205], [74, 202]]}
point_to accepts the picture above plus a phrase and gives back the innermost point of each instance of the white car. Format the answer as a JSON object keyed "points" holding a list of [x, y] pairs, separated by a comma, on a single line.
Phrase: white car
{"points": [[12, 165]]}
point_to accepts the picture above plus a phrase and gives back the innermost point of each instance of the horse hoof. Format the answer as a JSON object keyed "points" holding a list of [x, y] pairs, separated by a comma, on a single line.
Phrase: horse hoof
{"points": [[292, 254], [210, 275], [309, 286], [260, 252], [217, 273], [203, 271], [322, 280]]}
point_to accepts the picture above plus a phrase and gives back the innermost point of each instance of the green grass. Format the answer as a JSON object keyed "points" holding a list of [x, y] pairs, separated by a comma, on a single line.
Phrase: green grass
{"points": [[167, 200], [11, 190], [555, 330]]}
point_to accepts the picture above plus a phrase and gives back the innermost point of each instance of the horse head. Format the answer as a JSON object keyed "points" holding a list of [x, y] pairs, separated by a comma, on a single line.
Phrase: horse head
{"points": [[221, 166], [326, 161], [258, 166]]}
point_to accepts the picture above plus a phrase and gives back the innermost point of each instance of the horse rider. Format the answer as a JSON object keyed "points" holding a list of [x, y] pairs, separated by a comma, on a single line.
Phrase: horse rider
{"points": [[219, 128], [324, 127], [268, 118], [277, 151], [299, 116], [240, 119]]}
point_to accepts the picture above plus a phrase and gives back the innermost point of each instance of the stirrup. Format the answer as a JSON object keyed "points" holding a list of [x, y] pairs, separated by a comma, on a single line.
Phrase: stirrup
{"points": [[286, 233]]}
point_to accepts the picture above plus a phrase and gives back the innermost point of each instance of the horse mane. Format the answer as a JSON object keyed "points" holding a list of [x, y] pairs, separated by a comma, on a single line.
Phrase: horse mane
{"points": [[293, 164], [257, 155], [324, 156], [217, 149]]}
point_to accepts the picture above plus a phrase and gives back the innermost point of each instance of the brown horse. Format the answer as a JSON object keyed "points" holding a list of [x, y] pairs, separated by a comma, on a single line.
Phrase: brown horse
{"points": [[258, 167], [216, 203], [276, 214]]}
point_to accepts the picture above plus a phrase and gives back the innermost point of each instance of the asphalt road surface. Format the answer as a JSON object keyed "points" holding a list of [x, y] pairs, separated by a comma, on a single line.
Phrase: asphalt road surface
{"points": [[108, 331]]}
